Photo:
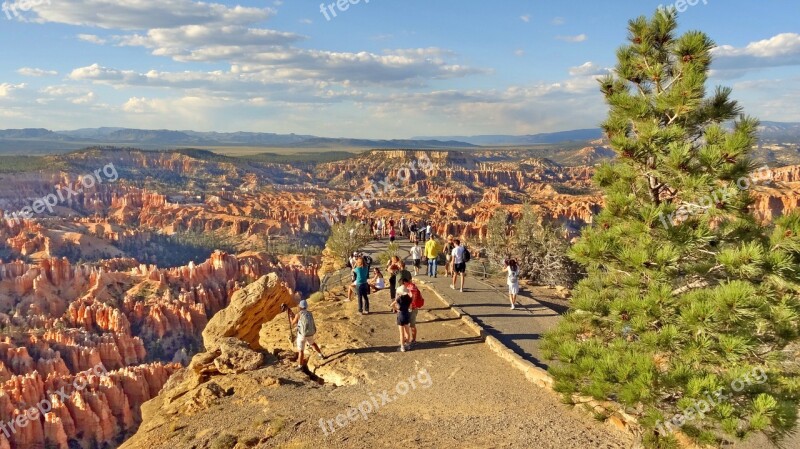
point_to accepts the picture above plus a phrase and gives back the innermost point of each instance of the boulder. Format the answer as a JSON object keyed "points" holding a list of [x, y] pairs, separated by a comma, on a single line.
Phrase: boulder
{"points": [[249, 309], [235, 357]]}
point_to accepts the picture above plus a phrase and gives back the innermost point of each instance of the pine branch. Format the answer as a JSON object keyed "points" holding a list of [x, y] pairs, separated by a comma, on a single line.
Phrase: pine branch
{"points": [[700, 283]]}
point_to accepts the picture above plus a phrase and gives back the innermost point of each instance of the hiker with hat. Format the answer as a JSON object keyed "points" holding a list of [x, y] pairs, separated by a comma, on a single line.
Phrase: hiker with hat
{"points": [[306, 329]]}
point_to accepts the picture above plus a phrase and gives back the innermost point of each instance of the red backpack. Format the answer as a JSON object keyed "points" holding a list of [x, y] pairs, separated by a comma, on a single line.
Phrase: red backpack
{"points": [[417, 301]]}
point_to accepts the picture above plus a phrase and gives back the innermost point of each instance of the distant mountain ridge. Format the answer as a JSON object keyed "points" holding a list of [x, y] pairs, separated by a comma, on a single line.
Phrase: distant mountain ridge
{"points": [[44, 141], [172, 138], [530, 139], [769, 132]]}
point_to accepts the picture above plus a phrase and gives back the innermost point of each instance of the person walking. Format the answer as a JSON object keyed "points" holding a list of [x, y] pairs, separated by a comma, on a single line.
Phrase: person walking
{"points": [[460, 259], [412, 232], [393, 267], [362, 286], [428, 230], [402, 306], [306, 329], [448, 254], [417, 302], [392, 234], [416, 256], [512, 271], [432, 250]]}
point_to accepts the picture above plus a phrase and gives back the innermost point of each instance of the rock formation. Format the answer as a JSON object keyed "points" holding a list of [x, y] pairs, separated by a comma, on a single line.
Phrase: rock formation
{"points": [[248, 310]]}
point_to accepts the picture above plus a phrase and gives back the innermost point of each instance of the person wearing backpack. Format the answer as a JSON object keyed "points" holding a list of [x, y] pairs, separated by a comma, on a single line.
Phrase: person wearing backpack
{"points": [[512, 270], [367, 260], [402, 307], [417, 302], [306, 329], [460, 258]]}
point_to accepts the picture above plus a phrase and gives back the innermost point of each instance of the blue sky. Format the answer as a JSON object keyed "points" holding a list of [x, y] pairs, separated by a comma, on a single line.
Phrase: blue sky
{"points": [[382, 69]]}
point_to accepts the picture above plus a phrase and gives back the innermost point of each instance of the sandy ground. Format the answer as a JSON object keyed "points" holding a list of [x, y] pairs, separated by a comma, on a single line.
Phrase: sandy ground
{"points": [[463, 395]]}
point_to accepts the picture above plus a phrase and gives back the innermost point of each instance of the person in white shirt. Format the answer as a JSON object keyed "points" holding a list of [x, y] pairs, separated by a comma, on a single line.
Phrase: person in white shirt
{"points": [[378, 282], [512, 271], [459, 264], [416, 255]]}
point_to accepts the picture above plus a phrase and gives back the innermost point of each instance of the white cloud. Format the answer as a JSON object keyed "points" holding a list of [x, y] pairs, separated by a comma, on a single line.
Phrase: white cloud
{"points": [[779, 50], [84, 99], [588, 69], [558, 21], [7, 88], [92, 38], [526, 18], [140, 14], [519, 52], [30, 71], [574, 39]]}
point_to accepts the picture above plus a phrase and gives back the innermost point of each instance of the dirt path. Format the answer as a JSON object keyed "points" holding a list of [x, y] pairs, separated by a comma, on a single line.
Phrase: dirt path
{"points": [[463, 394]]}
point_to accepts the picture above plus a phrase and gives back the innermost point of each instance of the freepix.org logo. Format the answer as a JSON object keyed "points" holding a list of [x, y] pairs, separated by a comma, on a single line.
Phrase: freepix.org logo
{"points": [[13, 9], [330, 10]]}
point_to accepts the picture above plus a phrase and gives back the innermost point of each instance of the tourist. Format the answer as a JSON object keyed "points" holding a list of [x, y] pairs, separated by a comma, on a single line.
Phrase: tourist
{"points": [[416, 255], [404, 273], [402, 306], [403, 224], [306, 329], [428, 231], [448, 254], [380, 228], [459, 263], [512, 270], [417, 302], [392, 234], [393, 267], [351, 262], [367, 260], [362, 286], [412, 232], [377, 283], [432, 253]]}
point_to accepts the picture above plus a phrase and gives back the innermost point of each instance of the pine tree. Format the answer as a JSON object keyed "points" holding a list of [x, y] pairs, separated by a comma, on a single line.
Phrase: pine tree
{"points": [[688, 301], [346, 238]]}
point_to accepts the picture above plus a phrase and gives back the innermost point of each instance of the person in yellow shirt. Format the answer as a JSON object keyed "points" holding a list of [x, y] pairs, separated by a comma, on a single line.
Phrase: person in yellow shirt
{"points": [[432, 250]]}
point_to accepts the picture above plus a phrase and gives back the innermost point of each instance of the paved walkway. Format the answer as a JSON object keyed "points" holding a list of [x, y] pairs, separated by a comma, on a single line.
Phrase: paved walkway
{"points": [[520, 330]]}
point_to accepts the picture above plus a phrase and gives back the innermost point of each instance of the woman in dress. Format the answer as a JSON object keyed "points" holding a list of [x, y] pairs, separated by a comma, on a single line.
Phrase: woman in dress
{"points": [[512, 272]]}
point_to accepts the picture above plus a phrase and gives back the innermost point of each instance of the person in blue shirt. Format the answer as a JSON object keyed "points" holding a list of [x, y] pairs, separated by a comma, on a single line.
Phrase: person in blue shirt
{"points": [[361, 273]]}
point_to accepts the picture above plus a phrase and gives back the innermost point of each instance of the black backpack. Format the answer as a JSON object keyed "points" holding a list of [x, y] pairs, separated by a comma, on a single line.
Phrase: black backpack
{"points": [[467, 255], [367, 261]]}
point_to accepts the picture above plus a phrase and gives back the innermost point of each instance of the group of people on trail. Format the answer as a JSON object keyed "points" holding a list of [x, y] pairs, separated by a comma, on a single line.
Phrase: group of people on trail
{"points": [[415, 230], [405, 297], [456, 257]]}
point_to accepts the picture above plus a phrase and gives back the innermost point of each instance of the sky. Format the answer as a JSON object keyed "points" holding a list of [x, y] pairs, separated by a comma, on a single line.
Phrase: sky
{"points": [[372, 69]]}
